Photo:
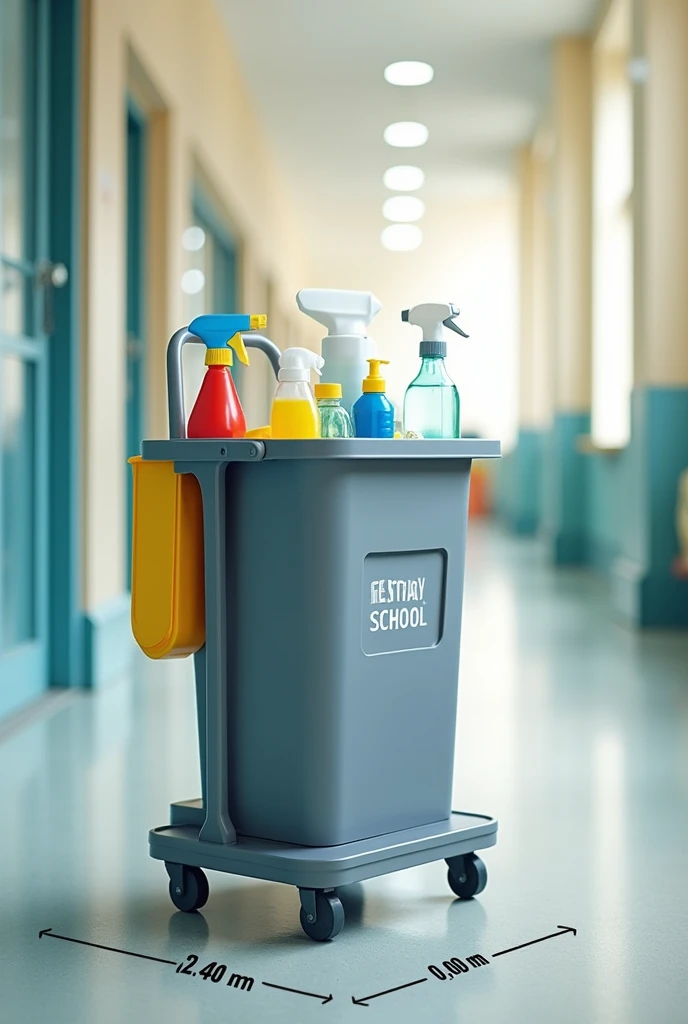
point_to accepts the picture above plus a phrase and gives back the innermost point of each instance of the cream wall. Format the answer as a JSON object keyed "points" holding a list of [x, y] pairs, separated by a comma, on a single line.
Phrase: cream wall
{"points": [[572, 194], [662, 174], [659, 75], [535, 340], [612, 245], [177, 57], [542, 369], [526, 262]]}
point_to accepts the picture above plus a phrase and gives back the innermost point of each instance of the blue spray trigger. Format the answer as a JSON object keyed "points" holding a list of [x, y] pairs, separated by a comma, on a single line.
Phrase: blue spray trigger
{"points": [[216, 329]]}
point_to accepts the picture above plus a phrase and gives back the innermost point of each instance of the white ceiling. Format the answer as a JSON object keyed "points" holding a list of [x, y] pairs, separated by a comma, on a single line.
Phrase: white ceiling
{"points": [[314, 68]]}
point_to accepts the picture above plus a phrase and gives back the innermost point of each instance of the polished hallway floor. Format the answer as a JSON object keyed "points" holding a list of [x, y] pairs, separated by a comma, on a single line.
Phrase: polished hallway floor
{"points": [[572, 731]]}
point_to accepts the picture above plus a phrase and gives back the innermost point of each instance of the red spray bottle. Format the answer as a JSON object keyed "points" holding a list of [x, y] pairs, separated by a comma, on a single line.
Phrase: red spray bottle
{"points": [[217, 411]]}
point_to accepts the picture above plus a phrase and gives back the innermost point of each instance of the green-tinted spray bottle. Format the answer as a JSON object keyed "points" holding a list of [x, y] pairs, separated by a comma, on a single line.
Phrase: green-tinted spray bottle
{"points": [[431, 402]]}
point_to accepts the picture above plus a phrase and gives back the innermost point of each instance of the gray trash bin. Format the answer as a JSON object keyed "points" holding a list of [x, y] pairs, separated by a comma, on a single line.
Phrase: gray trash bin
{"points": [[327, 686]]}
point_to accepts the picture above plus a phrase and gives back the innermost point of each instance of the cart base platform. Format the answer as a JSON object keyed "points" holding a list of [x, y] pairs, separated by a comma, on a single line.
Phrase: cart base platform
{"points": [[317, 871], [321, 867]]}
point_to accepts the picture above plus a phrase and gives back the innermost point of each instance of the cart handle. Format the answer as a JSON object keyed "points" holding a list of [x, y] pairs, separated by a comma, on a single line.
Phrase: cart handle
{"points": [[175, 379]]}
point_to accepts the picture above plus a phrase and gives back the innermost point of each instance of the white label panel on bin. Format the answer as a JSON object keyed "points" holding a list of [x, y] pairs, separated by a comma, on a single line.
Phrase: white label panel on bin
{"points": [[403, 600]]}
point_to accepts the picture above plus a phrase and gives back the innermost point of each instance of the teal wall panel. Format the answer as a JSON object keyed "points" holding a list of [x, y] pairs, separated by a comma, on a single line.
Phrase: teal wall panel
{"points": [[615, 512], [644, 587], [666, 432], [519, 484], [618, 508], [610, 481], [565, 489], [109, 643], [503, 486]]}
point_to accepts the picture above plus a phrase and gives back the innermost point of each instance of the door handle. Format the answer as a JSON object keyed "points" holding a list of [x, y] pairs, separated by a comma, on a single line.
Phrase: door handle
{"points": [[50, 275]]}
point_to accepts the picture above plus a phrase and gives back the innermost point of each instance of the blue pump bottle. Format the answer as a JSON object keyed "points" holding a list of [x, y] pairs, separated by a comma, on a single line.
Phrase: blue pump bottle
{"points": [[373, 412]]}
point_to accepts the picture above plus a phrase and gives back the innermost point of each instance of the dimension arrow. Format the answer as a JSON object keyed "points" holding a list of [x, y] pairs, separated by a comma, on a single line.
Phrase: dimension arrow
{"points": [[564, 929], [142, 956], [364, 1001], [300, 992]]}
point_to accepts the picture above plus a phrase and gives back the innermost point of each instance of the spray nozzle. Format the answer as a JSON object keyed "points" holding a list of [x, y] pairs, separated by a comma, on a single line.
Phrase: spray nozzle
{"points": [[341, 312], [432, 317], [297, 363], [374, 381], [221, 332]]}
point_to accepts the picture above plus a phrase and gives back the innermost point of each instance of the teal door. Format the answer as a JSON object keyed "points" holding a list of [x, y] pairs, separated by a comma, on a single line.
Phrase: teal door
{"points": [[26, 281], [136, 262]]}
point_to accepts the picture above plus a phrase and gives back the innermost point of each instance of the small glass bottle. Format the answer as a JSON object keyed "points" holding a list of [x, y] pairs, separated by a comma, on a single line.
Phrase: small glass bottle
{"points": [[334, 420]]}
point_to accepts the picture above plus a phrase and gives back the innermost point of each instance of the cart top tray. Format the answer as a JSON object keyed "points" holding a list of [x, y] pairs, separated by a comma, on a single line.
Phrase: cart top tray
{"points": [[250, 450]]}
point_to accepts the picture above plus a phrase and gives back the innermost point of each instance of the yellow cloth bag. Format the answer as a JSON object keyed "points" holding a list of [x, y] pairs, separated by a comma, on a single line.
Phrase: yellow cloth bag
{"points": [[167, 585]]}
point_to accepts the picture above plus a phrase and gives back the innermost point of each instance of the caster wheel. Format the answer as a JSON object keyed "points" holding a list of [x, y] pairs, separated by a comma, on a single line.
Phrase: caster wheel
{"points": [[467, 876], [196, 891], [329, 921]]}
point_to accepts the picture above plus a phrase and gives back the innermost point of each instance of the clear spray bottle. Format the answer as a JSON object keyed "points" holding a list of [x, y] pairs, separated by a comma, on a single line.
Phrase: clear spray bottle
{"points": [[294, 411], [431, 402]]}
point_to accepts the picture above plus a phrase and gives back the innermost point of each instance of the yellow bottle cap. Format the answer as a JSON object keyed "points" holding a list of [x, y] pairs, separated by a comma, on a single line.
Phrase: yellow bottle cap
{"points": [[328, 390], [374, 382], [258, 321], [218, 357]]}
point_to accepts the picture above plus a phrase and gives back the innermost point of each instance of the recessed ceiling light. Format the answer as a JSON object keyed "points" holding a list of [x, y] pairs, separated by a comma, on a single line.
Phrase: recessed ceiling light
{"points": [[193, 281], [409, 72], [406, 134], [404, 208], [401, 237], [193, 238], [403, 178]]}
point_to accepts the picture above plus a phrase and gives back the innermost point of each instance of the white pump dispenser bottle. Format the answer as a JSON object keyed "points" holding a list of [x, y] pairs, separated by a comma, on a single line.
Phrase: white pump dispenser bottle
{"points": [[347, 347]]}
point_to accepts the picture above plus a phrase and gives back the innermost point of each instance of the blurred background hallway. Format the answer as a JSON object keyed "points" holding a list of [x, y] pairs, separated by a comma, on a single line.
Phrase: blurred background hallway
{"points": [[162, 160]]}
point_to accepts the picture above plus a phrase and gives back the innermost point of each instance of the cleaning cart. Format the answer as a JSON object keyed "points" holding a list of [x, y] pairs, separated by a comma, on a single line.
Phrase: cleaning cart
{"points": [[319, 585]]}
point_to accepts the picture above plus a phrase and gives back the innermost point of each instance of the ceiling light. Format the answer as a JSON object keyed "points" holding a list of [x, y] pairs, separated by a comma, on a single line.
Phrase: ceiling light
{"points": [[193, 238], [403, 208], [401, 237], [406, 134], [193, 281], [403, 178], [409, 72]]}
